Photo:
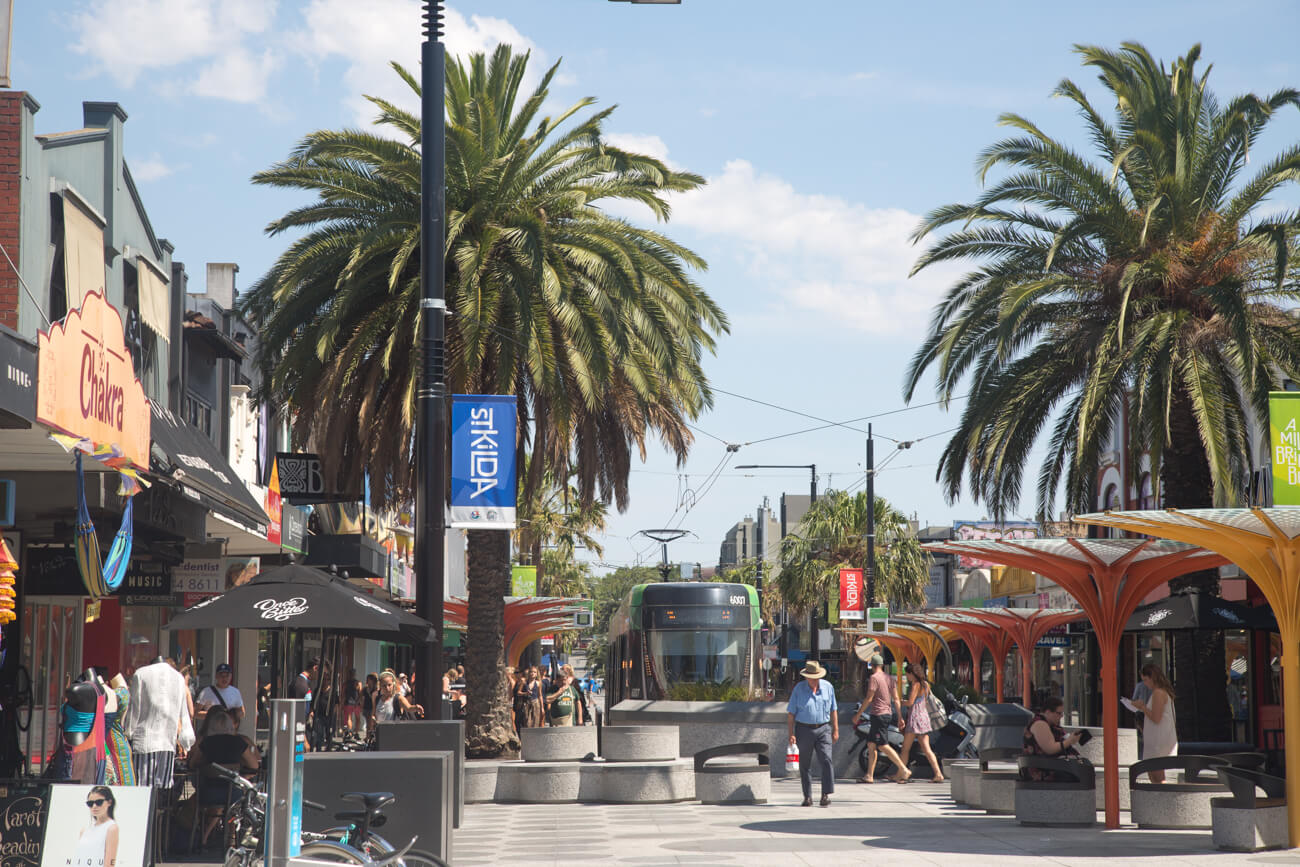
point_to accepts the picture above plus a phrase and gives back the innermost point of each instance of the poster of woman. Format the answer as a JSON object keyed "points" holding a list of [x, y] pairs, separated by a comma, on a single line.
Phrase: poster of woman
{"points": [[97, 826]]}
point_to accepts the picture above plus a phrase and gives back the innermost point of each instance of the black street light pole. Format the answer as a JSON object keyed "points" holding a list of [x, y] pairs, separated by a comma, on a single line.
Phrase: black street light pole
{"points": [[871, 519], [431, 390]]}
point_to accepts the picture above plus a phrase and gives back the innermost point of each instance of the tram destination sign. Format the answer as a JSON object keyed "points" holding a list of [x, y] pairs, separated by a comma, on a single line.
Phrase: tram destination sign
{"points": [[697, 616]]}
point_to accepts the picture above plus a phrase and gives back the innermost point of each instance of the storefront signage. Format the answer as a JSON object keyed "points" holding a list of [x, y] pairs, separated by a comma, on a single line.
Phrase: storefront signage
{"points": [[147, 583], [133, 815], [273, 509], [199, 577], [24, 814], [293, 529], [1284, 440], [302, 480], [85, 383], [483, 461], [523, 581], [851, 607], [51, 572], [17, 377]]}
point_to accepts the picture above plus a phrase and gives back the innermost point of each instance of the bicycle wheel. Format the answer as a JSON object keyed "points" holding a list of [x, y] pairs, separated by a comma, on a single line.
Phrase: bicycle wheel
{"points": [[421, 858], [328, 850]]}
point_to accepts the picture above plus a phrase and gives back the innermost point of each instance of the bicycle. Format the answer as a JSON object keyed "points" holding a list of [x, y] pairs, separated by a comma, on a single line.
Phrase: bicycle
{"points": [[353, 842]]}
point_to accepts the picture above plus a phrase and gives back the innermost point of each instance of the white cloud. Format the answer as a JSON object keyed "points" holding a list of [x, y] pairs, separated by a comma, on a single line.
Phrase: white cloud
{"points": [[650, 145], [368, 36], [816, 253], [152, 169], [127, 38], [238, 76]]}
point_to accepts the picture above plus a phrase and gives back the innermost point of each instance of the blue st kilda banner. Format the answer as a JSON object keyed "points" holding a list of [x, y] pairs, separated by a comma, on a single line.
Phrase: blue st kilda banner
{"points": [[483, 461]]}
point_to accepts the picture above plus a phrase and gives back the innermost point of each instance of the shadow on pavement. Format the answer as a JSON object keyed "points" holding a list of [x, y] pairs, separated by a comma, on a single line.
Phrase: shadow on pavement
{"points": [[984, 835]]}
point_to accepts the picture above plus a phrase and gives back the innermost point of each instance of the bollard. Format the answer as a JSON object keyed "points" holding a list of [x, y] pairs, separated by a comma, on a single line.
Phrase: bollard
{"points": [[283, 833]]}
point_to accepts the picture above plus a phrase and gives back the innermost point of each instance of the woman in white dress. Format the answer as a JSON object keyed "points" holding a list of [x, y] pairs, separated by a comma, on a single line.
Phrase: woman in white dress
{"points": [[1159, 735], [97, 844]]}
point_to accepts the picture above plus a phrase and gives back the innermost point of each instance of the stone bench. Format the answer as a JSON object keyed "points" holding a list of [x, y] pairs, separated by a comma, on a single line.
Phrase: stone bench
{"points": [[1125, 802], [558, 743], [997, 792], [1094, 750], [961, 773], [520, 782], [639, 743], [1245, 822], [1169, 805], [1070, 800], [734, 781]]}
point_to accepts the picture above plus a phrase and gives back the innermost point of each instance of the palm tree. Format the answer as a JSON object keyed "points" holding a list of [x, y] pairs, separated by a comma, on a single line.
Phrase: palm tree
{"points": [[593, 322], [1139, 287], [832, 536], [1130, 284]]}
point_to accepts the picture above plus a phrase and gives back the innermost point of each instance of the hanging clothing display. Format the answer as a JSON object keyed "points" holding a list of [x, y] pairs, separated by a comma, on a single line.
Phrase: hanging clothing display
{"points": [[120, 772]]}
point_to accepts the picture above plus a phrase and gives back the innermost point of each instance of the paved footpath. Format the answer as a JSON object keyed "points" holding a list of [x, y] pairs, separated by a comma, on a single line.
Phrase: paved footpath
{"points": [[883, 824]]}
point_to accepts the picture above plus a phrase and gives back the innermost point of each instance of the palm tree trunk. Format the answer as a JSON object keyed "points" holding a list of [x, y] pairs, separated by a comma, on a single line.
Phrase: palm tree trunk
{"points": [[488, 729], [1199, 663]]}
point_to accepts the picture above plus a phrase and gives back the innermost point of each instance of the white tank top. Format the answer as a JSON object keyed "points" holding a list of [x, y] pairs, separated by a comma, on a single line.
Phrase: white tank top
{"points": [[90, 848]]}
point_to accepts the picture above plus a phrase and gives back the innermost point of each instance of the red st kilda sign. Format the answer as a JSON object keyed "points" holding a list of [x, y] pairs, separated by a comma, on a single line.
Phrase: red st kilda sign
{"points": [[851, 607]]}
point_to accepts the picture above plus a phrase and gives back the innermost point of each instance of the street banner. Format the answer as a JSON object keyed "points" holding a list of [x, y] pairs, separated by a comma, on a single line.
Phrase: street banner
{"points": [[483, 461], [851, 594], [1284, 439], [523, 581]]}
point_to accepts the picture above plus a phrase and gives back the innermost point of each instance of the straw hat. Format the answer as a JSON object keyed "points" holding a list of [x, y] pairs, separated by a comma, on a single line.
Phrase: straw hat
{"points": [[812, 668]]}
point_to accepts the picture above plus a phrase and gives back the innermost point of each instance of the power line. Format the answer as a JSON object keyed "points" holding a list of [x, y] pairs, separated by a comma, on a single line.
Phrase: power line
{"points": [[852, 420]]}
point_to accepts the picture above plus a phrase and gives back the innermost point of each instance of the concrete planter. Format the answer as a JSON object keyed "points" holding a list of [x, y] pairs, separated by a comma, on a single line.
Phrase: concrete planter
{"points": [[1093, 749], [639, 743], [961, 773], [558, 744], [1248, 829]]}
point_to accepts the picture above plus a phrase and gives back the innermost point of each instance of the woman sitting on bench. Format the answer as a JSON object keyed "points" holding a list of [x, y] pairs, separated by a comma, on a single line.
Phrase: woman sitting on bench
{"points": [[1045, 737]]}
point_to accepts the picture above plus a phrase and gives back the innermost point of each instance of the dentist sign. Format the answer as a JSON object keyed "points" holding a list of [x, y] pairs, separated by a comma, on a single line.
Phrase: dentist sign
{"points": [[483, 461]]}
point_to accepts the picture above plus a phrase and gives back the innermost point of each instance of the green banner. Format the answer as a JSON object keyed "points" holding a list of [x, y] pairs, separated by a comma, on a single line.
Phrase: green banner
{"points": [[1284, 440], [523, 580]]}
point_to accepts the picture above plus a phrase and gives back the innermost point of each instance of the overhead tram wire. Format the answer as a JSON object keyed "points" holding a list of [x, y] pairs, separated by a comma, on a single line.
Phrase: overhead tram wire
{"points": [[850, 421]]}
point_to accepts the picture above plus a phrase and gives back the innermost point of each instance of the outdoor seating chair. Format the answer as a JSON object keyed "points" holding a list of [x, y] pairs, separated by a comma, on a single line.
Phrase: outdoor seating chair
{"points": [[1246, 822], [1174, 805], [732, 782]]}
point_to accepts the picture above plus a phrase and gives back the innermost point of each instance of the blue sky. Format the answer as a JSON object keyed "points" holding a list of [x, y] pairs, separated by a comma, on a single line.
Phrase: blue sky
{"points": [[825, 129]]}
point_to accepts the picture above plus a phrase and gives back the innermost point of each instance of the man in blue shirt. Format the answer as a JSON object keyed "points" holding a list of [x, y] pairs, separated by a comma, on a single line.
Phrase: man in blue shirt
{"points": [[814, 726]]}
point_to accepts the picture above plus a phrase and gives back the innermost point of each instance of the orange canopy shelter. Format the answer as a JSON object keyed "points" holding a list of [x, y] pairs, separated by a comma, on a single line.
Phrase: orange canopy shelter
{"points": [[978, 635], [526, 620], [1265, 543], [1109, 578]]}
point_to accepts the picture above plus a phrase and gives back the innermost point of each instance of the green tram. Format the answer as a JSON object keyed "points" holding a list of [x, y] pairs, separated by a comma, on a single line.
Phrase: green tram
{"points": [[685, 641]]}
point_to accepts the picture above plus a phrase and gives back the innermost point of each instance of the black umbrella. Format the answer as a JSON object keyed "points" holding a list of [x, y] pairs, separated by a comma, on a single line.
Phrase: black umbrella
{"points": [[1199, 611], [300, 597]]}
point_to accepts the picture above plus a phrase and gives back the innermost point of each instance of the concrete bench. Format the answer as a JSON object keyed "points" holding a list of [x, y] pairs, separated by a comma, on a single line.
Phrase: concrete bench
{"points": [[1245, 822], [639, 743], [1125, 801], [733, 782], [1169, 805], [1069, 800], [997, 791], [558, 743], [961, 773]]}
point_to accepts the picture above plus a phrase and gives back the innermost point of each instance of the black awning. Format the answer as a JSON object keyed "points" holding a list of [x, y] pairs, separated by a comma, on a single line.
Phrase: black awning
{"points": [[183, 457], [1199, 611]]}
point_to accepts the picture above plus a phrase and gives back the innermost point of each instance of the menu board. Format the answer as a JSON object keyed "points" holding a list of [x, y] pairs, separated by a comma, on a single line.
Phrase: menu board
{"points": [[88, 826]]}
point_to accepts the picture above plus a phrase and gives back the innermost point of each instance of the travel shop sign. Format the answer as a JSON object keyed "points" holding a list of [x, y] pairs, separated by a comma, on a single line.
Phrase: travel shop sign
{"points": [[85, 384]]}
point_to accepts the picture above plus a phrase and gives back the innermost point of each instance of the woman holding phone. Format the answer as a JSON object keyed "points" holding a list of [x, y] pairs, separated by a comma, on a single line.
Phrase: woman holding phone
{"points": [[1045, 737]]}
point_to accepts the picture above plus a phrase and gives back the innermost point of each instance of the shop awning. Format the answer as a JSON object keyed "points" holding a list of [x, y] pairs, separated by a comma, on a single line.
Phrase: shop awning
{"points": [[183, 457], [1199, 611]]}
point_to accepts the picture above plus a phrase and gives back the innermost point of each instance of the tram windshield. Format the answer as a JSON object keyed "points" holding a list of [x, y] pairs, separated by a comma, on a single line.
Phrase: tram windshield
{"points": [[701, 656]]}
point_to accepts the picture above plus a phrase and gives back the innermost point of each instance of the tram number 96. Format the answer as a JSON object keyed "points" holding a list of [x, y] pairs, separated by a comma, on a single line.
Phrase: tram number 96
{"points": [[739, 600]]}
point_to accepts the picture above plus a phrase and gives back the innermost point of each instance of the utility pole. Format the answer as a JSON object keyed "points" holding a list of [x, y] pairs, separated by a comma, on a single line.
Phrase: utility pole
{"points": [[760, 539], [431, 390], [871, 518]]}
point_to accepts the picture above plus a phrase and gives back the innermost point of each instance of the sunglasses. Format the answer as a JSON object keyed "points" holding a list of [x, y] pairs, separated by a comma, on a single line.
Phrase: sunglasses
{"points": [[96, 802]]}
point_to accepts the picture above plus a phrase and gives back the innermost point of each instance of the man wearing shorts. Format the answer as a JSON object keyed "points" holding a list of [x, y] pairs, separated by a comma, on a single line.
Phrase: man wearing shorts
{"points": [[880, 705]]}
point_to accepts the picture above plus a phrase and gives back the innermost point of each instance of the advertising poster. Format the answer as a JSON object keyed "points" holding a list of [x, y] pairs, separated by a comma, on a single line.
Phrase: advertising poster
{"points": [[523, 581], [97, 826], [968, 531], [241, 570], [1284, 440]]}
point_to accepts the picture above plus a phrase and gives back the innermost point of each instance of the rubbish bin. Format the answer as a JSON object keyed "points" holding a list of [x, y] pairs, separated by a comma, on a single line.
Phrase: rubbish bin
{"points": [[999, 728]]}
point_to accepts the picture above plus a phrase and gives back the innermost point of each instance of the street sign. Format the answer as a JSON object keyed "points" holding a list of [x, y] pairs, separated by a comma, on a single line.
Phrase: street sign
{"points": [[878, 619], [301, 477]]}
